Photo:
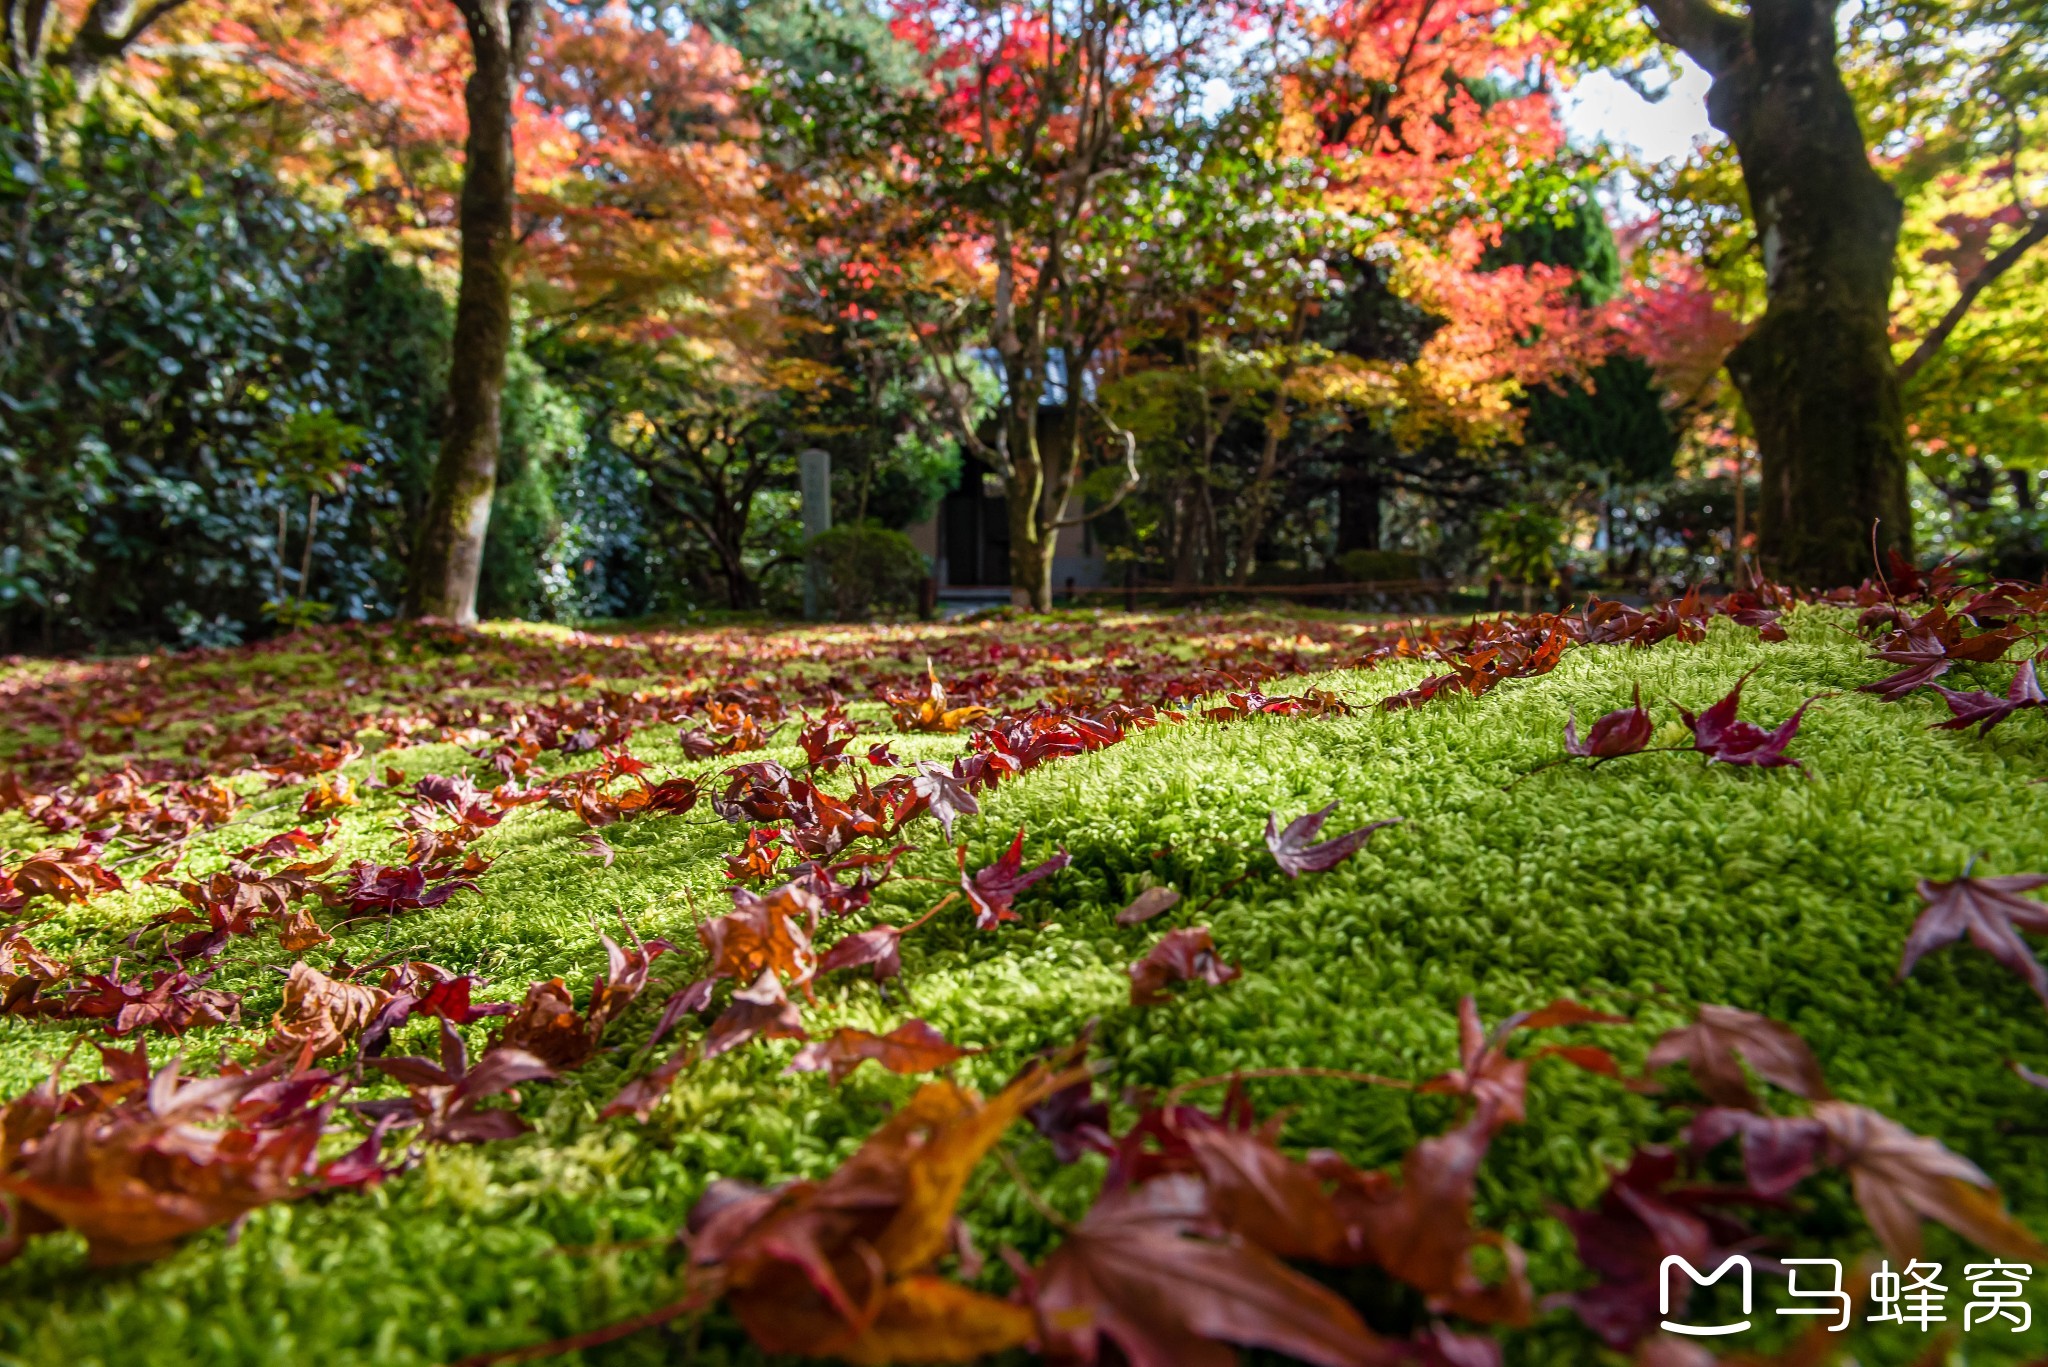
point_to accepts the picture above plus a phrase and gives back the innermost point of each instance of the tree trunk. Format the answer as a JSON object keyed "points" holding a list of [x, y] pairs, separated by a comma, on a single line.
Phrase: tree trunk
{"points": [[1186, 535], [1030, 562], [1252, 514], [448, 558], [1031, 541], [1358, 510], [1816, 374]]}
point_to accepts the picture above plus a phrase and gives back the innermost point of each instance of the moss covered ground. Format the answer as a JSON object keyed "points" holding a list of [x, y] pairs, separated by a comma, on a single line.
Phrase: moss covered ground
{"points": [[1645, 887]]}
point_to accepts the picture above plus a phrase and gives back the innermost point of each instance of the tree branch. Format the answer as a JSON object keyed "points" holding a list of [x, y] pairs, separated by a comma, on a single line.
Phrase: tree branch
{"points": [[1131, 475], [105, 33], [1998, 265], [1707, 33]]}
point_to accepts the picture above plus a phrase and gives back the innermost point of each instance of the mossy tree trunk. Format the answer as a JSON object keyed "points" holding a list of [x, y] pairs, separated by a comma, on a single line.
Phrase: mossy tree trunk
{"points": [[1816, 373], [1031, 539], [448, 557]]}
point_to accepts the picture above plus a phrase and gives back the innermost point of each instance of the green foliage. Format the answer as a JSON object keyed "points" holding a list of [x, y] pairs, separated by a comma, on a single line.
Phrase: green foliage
{"points": [[193, 351], [1557, 222], [1620, 425], [312, 453], [864, 570], [543, 432], [1522, 541]]}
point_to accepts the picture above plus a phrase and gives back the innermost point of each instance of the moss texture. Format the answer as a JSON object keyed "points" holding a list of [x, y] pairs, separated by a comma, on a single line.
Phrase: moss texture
{"points": [[1646, 886]]}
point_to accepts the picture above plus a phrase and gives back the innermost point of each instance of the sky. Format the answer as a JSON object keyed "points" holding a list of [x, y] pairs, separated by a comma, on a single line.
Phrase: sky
{"points": [[1600, 105]]}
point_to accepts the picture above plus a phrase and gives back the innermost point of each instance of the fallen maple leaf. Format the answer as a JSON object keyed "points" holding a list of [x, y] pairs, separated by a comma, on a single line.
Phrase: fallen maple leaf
{"points": [[1419, 1231], [1778, 1151], [993, 889], [330, 792], [1148, 904], [597, 847], [1992, 913], [1496, 1084], [173, 1002], [1077, 1123], [763, 931], [639, 1097], [763, 1011], [838, 1268], [912, 1047], [65, 876], [1643, 1217], [927, 711], [1184, 955], [1723, 739], [290, 844], [1624, 731], [1130, 1272], [945, 793], [1296, 856], [1901, 1178], [1984, 711], [443, 1094], [880, 948], [320, 1015], [298, 932], [547, 1026], [1721, 1038], [132, 1168], [379, 890]]}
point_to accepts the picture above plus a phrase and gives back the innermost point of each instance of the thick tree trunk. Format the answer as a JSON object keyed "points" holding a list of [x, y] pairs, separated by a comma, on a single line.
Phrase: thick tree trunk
{"points": [[1816, 373], [448, 557]]}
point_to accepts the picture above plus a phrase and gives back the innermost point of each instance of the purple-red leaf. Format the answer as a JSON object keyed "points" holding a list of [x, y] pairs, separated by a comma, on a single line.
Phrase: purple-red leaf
{"points": [[1183, 955], [1710, 1047], [1147, 904], [991, 890], [1778, 1151], [639, 1097], [1984, 711], [1294, 853], [763, 1011], [944, 792], [1992, 913], [1717, 734], [880, 947], [1127, 1273], [1624, 731]]}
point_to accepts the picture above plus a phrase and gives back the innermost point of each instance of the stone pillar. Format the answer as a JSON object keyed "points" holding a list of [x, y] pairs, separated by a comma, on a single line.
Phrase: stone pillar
{"points": [[814, 480]]}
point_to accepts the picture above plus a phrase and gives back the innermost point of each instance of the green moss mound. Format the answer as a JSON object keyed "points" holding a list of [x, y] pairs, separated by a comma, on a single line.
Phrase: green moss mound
{"points": [[1647, 886]]}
